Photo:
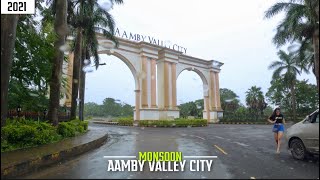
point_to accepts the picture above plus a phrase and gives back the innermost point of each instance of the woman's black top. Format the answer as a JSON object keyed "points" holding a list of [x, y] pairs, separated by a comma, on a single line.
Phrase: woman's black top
{"points": [[278, 118]]}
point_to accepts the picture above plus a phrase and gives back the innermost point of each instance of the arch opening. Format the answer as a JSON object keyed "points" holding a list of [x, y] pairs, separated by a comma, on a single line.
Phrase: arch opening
{"points": [[191, 81], [114, 95]]}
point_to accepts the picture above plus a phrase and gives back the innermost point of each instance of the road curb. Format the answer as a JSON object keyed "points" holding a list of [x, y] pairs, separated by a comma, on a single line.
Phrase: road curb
{"points": [[246, 123], [31, 165], [110, 123]]}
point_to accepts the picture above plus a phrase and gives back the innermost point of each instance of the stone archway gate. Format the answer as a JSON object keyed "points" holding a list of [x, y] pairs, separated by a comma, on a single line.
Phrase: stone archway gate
{"points": [[155, 70]]}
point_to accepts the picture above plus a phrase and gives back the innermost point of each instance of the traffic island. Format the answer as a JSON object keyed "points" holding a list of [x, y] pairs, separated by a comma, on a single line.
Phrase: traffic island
{"points": [[159, 123], [20, 162]]}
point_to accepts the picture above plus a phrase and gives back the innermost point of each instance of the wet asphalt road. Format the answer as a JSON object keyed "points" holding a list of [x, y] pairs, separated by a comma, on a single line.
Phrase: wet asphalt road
{"points": [[244, 151]]}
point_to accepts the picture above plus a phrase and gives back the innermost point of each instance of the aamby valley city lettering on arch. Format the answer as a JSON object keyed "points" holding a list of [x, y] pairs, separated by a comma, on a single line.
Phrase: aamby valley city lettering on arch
{"points": [[149, 39]]}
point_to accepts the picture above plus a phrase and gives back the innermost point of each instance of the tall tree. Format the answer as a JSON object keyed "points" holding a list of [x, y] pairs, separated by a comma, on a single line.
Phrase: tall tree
{"points": [[76, 71], [307, 98], [60, 27], [229, 100], [8, 36], [82, 84], [278, 92], [92, 17], [255, 101], [188, 109], [287, 69], [301, 23]]}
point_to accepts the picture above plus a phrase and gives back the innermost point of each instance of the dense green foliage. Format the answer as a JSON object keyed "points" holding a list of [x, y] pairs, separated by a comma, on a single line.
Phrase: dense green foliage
{"points": [[229, 100], [20, 133], [31, 66], [307, 99], [300, 25], [190, 109], [128, 121], [109, 108], [257, 109], [70, 129], [255, 101]]}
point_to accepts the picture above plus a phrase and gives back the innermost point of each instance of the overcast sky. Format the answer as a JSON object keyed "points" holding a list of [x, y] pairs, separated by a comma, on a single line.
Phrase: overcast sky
{"points": [[233, 32]]}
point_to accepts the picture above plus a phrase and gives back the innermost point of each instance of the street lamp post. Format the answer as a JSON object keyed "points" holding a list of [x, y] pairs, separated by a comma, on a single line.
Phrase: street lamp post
{"points": [[44, 114], [198, 109], [18, 110]]}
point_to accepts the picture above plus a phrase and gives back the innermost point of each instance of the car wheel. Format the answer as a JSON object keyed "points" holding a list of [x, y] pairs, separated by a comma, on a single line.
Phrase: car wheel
{"points": [[298, 150]]}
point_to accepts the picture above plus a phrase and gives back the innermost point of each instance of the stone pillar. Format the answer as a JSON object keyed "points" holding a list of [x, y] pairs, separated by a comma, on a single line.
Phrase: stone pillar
{"points": [[163, 84], [174, 85], [214, 97], [137, 107], [143, 75], [153, 84], [166, 70], [217, 95], [212, 92], [206, 112], [166, 84], [148, 110], [148, 83]]}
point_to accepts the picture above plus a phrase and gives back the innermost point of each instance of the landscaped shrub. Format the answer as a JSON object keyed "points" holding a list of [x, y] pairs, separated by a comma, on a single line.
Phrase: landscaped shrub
{"points": [[80, 126], [125, 121], [66, 129], [45, 133], [85, 125], [25, 133], [21, 133]]}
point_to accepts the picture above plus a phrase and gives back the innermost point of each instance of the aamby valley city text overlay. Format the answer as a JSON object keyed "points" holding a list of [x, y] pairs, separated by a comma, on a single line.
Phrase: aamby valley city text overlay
{"points": [[160, 161]]}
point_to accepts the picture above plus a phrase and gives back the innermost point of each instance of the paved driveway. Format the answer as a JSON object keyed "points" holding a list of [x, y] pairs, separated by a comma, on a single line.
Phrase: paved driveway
{"points": [[244, 151]]}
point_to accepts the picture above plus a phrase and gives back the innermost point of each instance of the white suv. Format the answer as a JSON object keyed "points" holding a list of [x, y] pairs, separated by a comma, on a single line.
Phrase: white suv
{"points": [[303, 137]]}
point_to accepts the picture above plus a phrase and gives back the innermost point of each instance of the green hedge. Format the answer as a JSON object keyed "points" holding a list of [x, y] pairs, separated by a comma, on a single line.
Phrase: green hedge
{"points": [[127, 121], [20, 133], [173, 123], [243, 118], [244, 122]]}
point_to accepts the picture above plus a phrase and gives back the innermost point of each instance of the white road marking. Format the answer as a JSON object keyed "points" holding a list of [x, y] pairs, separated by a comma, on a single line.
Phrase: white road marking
{"points": [[197, 137], [200, 137], [219, 137], [241, 144]]}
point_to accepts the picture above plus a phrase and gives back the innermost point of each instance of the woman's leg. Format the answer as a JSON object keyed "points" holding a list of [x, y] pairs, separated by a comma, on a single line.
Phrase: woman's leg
{"points": [[280, 134], [276, 137]]}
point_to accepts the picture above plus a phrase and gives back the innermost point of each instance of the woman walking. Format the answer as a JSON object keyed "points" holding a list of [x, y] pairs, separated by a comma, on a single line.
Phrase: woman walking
{"points": [[278, 128]]}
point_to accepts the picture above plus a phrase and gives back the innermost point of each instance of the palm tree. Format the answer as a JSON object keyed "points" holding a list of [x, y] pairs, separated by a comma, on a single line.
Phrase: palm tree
{"points": [[287, 69], [60, 27], [255, 100], [300, 23], [305, 55], [89, 18]]}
